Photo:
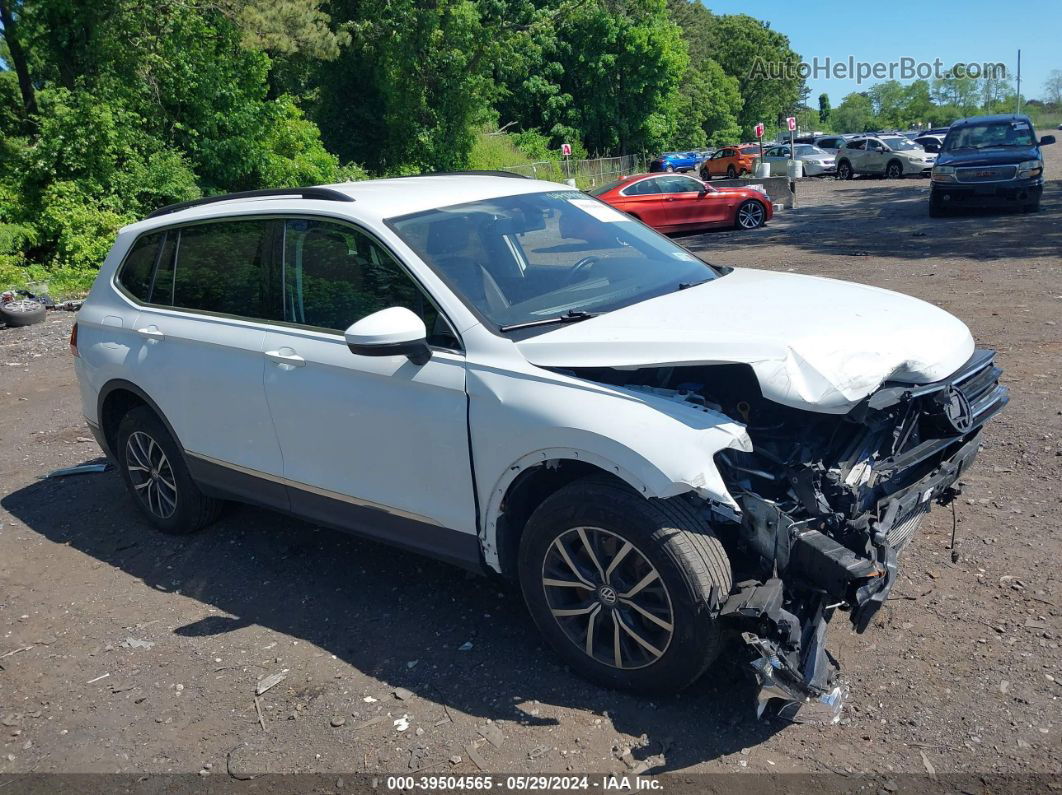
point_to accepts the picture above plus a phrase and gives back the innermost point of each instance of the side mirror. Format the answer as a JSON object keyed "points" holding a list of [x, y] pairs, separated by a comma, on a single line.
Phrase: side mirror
{"points": [[1047, 139], [390, 332]]}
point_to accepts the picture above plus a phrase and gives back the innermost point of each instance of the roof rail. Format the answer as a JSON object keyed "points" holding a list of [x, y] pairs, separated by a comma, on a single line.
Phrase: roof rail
{"points": [[467, 173], [321, 194]]}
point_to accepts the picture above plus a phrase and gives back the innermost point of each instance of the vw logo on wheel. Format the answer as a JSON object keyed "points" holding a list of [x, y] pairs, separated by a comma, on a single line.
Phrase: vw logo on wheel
{"points": [[607, 595]]}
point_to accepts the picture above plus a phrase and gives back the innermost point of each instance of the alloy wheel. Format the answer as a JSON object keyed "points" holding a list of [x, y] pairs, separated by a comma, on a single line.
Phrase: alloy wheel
{"points": [[151, 475], [750, 215], [608, 599]]}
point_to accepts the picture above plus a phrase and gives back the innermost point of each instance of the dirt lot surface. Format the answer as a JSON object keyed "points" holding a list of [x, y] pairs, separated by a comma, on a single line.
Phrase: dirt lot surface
{"points": [[125, 650]]}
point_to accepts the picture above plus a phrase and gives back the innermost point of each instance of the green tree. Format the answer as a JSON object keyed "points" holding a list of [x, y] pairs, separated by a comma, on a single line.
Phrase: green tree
{"points": [[854, 114], [824, 108], [764, 65]]}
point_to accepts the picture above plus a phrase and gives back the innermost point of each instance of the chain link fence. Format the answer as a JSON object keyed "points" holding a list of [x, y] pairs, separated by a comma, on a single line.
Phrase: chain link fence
{"points": [[586, 173]]}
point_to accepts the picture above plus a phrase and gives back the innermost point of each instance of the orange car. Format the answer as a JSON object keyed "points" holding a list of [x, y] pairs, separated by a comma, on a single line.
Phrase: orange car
{"points": [[730, 162]]}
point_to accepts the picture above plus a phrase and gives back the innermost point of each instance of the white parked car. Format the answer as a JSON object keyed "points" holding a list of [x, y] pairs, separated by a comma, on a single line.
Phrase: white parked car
{"points": [[514, 377], [814, 162], [891, 156]]}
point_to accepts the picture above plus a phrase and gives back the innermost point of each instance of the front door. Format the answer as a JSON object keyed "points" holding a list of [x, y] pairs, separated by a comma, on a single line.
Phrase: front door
{"points": [[376, 444], [690, 204]]}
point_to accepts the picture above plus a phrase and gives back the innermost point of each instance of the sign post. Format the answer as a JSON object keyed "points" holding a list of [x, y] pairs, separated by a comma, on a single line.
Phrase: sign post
{"points": [[791, 165], [759, 137]]}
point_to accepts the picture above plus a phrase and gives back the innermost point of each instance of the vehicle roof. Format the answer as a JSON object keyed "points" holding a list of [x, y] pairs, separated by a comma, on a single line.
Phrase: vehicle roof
{"points": [[997, 117], [374, 199]]}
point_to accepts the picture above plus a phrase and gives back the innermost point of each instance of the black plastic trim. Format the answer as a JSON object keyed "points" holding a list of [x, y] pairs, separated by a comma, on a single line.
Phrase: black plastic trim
{"points": [[319, 194]]}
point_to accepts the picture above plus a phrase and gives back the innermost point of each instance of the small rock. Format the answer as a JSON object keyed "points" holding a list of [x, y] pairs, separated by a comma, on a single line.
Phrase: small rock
{"points": [[338, 721], [493, 735], [402, 694], [466, 646], [455, 760], [1004, 686]]}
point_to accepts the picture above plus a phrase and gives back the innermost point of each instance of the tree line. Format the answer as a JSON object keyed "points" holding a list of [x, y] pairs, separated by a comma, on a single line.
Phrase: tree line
{"points": [[112, 108]]}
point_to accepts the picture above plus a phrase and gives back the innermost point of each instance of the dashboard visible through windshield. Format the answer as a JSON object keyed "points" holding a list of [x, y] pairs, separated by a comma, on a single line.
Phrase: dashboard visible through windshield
{"points": [[531, 260]]}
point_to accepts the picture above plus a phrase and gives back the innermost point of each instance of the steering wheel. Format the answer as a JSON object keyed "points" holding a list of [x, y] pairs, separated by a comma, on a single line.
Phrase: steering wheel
{"points": [[582, 265]]}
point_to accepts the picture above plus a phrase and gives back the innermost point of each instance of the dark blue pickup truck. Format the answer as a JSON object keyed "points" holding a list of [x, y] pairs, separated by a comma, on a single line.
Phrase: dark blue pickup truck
{"points": [[989, 161]]}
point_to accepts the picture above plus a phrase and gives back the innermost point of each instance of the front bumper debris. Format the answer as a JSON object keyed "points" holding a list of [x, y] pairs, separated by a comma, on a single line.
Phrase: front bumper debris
{"points": [[815, 552]]}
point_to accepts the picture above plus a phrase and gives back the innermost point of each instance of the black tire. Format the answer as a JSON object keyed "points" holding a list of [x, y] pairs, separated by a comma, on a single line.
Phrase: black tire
{"points": [[174, 505], [894, 170], [844, 170], [731, 173], [666, 536], [936, 209], [750, 214], [22, 312]]}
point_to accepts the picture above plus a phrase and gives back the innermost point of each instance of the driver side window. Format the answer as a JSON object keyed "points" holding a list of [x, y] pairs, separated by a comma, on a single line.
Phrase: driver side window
{"points": [[334, 275]]}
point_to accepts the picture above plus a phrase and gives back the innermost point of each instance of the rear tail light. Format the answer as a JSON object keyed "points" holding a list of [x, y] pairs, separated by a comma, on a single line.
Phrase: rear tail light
{"points": [[73, 341]]}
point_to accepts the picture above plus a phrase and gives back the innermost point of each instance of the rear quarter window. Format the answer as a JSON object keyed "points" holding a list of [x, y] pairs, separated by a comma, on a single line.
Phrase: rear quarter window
{"points": [[136, 273]]}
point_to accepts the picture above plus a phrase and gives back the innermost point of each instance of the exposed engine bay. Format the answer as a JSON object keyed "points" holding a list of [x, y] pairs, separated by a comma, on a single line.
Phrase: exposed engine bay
{"points": [[827, 503]]}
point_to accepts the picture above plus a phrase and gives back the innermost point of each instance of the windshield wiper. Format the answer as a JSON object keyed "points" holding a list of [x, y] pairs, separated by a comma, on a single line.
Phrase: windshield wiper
{"points": [[571, 316], [688, 285]]}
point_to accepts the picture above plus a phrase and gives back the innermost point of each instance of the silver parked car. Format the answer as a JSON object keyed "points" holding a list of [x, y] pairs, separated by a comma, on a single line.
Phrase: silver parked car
{"points": [[815, 162]]}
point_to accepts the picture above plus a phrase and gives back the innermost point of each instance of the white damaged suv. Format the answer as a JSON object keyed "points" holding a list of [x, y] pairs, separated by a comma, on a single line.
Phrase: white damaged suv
{"points": [[671, 458]]}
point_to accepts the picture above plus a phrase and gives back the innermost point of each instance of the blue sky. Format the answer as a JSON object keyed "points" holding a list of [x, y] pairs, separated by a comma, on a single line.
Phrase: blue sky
{"points": [[973, 30]]}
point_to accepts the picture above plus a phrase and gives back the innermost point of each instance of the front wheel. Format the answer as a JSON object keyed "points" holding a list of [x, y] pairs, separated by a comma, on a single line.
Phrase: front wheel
{"points": [[670, 169], [731, 173], [625, 588], [750, 215], [894, 170]]}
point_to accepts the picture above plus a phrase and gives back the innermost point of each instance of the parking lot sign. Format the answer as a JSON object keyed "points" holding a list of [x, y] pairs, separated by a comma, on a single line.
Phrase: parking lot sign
{"points": [[759, 130], [566, 150], [791, 121]]}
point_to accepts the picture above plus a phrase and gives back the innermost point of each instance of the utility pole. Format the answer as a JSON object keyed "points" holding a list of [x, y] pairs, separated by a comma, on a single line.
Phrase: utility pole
{"points": [[1018, 100]]}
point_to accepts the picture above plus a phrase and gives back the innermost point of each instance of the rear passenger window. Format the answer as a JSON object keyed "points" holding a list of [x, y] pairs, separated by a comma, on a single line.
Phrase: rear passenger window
{"points": [[224, 267], [334, 275], [139, 266]]}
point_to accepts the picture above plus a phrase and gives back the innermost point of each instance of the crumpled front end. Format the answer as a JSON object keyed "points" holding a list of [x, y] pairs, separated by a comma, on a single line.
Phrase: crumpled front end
{"points": [[827, 508], [823, 504]]}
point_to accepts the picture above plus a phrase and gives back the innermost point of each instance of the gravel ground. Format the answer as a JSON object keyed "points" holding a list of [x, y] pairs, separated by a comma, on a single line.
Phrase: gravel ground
{"points": [[125, 650]]}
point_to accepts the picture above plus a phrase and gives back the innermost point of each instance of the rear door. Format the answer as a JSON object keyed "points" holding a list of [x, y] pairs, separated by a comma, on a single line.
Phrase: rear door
{"points": [[199, 356], [376, 444], [854, 152]]}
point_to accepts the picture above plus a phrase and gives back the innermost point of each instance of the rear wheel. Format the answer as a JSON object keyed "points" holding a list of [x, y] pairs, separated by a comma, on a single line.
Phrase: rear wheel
{"points": [[157, 478], [624, 588], [844, 170], [750, 215]]}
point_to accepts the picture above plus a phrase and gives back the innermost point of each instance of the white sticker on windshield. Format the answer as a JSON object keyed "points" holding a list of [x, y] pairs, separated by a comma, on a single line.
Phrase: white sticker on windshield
{"points": [[598, 210]]}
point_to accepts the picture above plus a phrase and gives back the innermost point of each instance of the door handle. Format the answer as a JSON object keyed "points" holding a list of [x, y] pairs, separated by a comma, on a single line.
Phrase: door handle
{"points": [[286, 356], [151, 332]]}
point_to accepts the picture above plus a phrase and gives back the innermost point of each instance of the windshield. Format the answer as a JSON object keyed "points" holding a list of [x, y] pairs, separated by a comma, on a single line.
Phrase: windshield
{"points": [[808, 149], [983, 136], [539, 256], [898, 144]]}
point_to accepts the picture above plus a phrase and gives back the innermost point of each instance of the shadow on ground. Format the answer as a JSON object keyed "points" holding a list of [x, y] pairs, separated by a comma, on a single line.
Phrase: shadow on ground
{"points": [[377, 608], [906, 231]]}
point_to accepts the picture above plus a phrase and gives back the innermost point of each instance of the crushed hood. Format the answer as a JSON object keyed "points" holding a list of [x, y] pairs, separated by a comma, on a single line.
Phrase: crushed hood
{"points": [[814, 343]]}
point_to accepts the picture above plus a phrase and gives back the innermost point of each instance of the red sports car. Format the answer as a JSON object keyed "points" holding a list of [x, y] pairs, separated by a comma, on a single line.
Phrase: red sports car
{"points": [[680, 203]]}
